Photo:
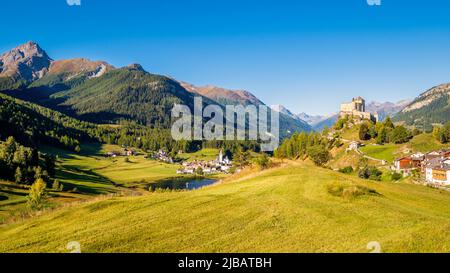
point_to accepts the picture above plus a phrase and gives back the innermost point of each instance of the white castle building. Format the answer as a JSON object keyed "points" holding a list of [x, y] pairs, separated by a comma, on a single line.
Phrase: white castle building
{"points": [[357, 109]]}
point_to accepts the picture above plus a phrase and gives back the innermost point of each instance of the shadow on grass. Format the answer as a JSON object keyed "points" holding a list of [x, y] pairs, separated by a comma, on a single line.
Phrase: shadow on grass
{"points": [[87, 149], [81, 177], [13, 193]]}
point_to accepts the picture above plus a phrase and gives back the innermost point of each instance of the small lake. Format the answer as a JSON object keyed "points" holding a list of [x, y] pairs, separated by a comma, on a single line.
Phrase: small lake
{"points": [[183, 184]]}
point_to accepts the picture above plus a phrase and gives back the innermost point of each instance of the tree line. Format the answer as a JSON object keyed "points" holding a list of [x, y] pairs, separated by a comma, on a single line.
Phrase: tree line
{"points": [[385, 132], [442, 133], [24, 165], [302, 145]]}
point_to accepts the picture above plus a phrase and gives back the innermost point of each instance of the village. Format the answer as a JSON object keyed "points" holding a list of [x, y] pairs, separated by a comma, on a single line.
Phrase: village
{"points": [[434, 166], [220, 165]]}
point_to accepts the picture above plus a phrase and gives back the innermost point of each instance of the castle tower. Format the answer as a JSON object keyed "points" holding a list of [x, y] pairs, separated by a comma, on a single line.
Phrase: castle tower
{"points": [[221, 156], [359, 104]]}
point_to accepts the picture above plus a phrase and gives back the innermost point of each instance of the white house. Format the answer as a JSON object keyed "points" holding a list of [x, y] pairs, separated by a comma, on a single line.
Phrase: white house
{"points": [[438, 174]]}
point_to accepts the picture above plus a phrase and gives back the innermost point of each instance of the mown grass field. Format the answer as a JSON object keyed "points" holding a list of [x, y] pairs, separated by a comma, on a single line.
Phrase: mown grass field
{"points": [[89, 174], [104, 174], [288, 209], [420, 143], [204, 154], [386, 152]]}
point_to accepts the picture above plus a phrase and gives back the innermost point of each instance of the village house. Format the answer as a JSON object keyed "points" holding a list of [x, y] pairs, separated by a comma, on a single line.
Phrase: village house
{"points": [[408, 163], [438, 172], [161, 155], [354, 146], [125, 152], [435, 166]]}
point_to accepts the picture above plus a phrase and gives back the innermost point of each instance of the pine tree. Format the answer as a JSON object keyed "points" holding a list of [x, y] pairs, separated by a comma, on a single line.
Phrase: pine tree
{"points": [[18, 176]]}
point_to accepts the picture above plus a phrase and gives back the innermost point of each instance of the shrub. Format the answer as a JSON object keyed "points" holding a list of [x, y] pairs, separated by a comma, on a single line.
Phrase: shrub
{"points": [[56, 185], [340, 123], [199, 171], [335, 189], [37, 195], [318, 154], [262, 161], [371, 173], [364, 132], [347, 170], [396, 176], [349, 191], [355, 191]]}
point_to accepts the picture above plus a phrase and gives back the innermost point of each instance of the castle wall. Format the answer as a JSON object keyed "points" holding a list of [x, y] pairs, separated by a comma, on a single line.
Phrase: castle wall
{"points": [[357, 108]]}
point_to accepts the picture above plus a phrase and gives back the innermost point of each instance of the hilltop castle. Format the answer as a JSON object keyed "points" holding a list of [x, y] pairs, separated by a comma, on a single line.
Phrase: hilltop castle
{"points": [[357, 109]]}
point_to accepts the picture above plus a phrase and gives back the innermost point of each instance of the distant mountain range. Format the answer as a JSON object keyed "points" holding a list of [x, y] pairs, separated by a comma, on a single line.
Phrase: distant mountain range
{"points": [[384, 109], [288, 123], [96, 91], [319, 122]]}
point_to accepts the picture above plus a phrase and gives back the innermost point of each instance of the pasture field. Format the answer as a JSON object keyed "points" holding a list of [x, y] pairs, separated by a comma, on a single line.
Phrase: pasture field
{"points": [[89, 174], [204, 154], [294, 208], [421, 143], [386, 152]]}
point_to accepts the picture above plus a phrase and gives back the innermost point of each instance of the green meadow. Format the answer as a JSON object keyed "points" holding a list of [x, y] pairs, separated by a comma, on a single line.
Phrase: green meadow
{"points": [[89, 173], [294, 208], [92, 170], [383, 152], [420, 143]]}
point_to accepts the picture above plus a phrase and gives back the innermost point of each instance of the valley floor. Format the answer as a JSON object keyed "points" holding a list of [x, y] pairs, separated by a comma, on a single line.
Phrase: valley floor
{"points": [[294, 208]]}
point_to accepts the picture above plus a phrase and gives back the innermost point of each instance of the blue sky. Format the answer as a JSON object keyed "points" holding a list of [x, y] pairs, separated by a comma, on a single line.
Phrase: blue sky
{"points": [[309, 55]]}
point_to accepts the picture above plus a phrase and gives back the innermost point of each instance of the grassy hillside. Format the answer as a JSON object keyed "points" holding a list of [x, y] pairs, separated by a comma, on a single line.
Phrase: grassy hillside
{"points": [[386, 152], [420, 143], [125, 94], [281, 210], [89, 173]]}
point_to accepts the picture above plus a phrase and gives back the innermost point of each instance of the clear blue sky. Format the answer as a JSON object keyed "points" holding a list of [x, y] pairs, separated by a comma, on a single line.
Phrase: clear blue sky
{"points": [[309, 55]]}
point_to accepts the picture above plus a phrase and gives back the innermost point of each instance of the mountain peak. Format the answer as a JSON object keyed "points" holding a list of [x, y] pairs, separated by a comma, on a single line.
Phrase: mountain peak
{"points": [[136, 66], [27, 61]]}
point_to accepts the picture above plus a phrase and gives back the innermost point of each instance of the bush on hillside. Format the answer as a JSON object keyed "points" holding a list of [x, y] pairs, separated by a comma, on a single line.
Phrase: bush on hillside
{"points": [[349, 191], [262, 161], [319, 154], [371, 173], [364, 132], [396, 176], [347, 170]]}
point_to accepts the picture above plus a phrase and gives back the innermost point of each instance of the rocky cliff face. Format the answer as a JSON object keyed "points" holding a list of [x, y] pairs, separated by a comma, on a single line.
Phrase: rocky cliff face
{"points": [[28, 62]]}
